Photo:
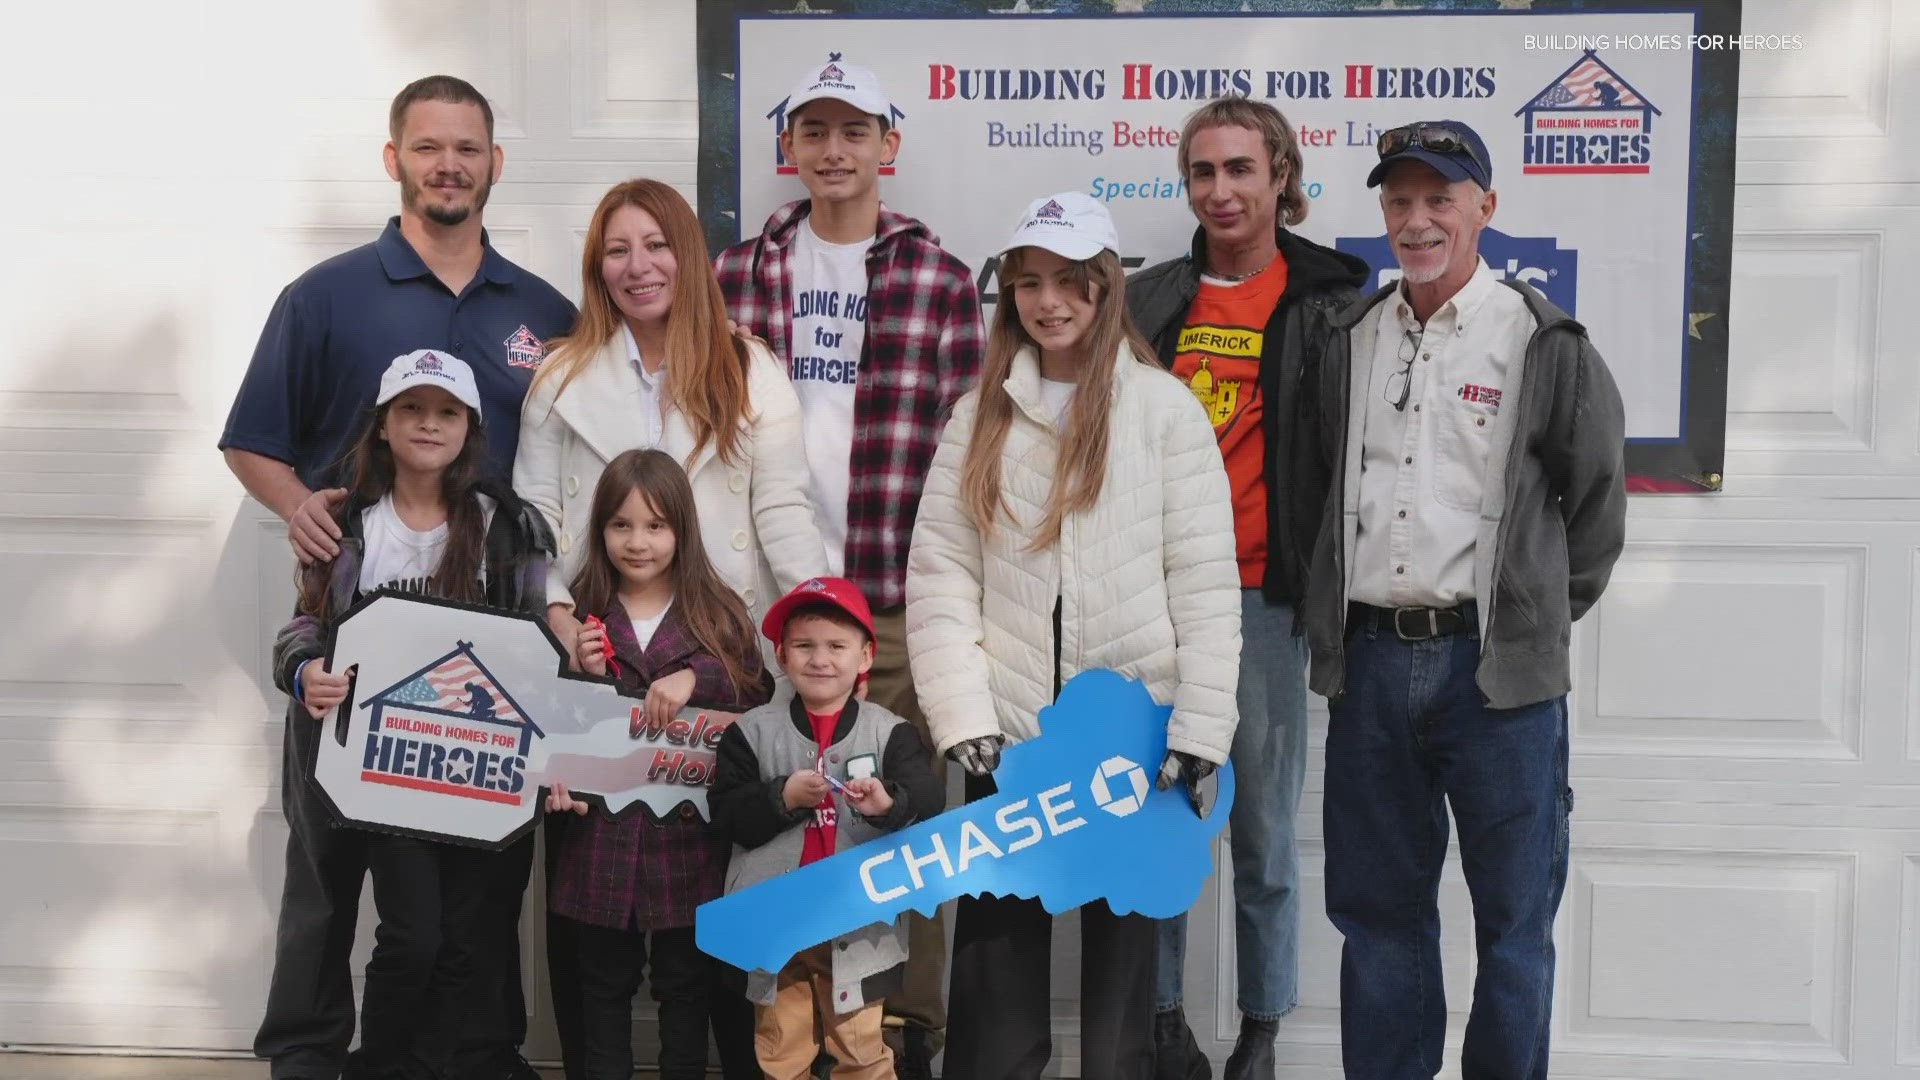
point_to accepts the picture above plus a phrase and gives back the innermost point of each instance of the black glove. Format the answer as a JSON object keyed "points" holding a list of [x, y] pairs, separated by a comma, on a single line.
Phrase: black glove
{"points": [[1182, 767], [978, 756]]}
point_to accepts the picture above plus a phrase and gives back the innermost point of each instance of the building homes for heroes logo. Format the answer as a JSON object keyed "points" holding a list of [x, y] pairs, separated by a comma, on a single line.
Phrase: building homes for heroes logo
{"points": [[449, 729], [1588, 121]]}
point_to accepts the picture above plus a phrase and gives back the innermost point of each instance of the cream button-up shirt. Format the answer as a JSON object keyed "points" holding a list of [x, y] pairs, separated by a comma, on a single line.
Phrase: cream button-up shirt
{"points": [[652, 407], [1423, 468]]}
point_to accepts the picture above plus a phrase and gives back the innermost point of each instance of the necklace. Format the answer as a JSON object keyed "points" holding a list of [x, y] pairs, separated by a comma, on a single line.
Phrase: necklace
{"points": [[1235, 279]]}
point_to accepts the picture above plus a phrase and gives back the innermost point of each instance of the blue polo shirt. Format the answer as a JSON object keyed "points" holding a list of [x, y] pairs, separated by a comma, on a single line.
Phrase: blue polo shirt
{"points": [[309, 391]]}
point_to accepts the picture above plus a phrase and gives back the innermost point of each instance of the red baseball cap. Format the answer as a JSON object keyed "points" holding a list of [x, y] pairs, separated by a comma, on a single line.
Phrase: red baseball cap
{"points": [[839, 592]]}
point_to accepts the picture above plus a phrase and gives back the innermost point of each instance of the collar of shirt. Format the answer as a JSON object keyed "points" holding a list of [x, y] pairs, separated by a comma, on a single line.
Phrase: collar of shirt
{"points": [[402, 263], [648, 379], [1459, 309]]}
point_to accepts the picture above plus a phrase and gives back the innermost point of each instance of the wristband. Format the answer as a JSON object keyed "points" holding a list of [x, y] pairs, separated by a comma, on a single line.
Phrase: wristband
{"points": [[299, 694]]}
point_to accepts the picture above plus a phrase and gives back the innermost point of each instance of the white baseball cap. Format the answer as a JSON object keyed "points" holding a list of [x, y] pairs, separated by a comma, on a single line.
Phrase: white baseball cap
{"points": [[851, 83], [430, 367], [1072, 225]]}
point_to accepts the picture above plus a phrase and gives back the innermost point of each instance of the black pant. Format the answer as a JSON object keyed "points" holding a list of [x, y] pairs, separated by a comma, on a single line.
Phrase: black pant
{"points": [[612, 964], [436, 926], [563, 970], [496, 1023], [999, 1024], [309, 1013], [730, 1014]]}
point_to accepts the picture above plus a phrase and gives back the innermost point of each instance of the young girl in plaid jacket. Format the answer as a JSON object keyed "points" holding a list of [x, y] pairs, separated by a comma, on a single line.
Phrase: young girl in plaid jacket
{"points": [[666, 627]]}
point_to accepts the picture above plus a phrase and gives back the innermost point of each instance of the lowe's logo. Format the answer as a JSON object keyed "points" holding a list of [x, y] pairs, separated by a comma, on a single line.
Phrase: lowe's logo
{"points": [[1539, 261]]}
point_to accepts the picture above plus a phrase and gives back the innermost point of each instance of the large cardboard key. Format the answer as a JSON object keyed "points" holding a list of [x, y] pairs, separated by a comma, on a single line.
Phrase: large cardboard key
{"points": [[459, 716], [1076, 819]]}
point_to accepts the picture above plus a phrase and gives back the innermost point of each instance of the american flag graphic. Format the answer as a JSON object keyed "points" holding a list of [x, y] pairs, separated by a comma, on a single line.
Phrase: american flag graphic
{"points": [[1589, 85], [445, 686]]}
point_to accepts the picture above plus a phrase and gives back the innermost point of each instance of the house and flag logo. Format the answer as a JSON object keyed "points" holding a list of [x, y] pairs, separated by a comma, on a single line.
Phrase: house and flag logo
{"points": [[1588, 121], [524, 350], [1052, 211], [451, 729], [428, 363], [832, 73]]}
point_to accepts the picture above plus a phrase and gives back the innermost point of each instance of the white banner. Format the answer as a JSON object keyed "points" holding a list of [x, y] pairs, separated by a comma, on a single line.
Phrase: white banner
{"points": [[1587, 117]]}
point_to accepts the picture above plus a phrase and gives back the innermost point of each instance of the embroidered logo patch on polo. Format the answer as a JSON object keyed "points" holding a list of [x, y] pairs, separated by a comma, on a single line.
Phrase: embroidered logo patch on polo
{"points": [[524, 350], [1480, 395]]}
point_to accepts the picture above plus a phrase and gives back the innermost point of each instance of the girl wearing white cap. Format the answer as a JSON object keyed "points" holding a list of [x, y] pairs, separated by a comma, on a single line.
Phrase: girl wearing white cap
{"points": [[418, 517], [1077, 516]]}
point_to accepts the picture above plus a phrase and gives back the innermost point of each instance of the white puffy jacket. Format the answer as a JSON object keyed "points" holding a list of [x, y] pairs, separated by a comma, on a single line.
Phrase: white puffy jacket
{"points": [[1146, 580]]}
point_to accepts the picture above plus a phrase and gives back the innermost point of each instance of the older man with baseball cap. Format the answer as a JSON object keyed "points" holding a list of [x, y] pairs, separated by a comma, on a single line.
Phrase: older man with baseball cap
{"points": [[1476, 512]]}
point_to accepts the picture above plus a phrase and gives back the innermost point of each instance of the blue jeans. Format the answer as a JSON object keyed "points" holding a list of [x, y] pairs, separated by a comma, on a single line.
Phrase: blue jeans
{"points": [[1270, 767], [1410, 739]]}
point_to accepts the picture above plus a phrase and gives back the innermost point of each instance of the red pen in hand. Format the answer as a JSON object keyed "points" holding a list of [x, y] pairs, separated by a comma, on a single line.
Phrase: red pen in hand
{"points": [[613, 666]]}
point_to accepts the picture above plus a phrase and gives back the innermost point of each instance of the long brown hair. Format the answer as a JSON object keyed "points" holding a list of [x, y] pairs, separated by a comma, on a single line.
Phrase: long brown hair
{"points": [[711, 609], [369, 463], [1081, 468], [706, 365]]}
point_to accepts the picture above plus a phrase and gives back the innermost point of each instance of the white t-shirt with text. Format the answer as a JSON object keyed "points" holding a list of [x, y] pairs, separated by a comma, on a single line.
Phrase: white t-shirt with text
{"points": [[829, 333], [397, 557]]}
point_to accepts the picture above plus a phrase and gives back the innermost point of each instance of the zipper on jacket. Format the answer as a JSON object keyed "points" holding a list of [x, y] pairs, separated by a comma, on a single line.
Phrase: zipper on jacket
{"points": [[1056, 647]]}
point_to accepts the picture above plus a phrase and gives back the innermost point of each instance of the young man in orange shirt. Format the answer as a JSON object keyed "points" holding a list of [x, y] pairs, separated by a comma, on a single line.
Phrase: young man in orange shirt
{"points": [[1242, 319]]}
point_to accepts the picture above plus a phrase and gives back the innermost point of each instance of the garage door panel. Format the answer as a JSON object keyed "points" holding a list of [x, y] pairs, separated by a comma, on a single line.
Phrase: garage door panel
{"points": [[1710, 953], [126, 922], [1731, 650]]}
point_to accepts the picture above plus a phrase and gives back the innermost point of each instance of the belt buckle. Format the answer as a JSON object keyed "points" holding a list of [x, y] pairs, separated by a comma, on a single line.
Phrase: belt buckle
{"points": [[1433, 624]]}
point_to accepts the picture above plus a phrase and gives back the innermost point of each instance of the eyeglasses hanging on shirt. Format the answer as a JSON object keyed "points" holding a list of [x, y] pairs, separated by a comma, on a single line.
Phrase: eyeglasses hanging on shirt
{"points": [[1400, 383]]}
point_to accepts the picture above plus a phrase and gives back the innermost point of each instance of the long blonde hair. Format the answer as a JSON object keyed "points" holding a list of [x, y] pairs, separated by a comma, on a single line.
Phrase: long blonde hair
{"points": [[1081, 468], [706, 365]]}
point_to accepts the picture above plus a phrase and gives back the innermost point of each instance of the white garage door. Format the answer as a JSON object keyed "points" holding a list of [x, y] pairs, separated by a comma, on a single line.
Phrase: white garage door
{"points": [[1745, 893]]}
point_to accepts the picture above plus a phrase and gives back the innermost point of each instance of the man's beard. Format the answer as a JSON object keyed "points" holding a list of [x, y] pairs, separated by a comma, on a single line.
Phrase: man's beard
{"points": [[413, 193], [1425, 275]]}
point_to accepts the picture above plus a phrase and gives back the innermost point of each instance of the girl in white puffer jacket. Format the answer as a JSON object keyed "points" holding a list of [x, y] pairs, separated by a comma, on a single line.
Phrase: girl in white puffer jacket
{"points": [[1077, 516]]}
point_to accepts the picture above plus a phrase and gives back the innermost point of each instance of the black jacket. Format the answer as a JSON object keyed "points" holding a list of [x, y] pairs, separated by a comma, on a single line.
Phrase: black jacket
{"points": [[1320, 281]]}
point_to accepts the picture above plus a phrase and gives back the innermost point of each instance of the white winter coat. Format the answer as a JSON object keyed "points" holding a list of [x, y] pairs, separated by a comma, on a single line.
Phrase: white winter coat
{"points": [[1146, 580], [755, 517]]}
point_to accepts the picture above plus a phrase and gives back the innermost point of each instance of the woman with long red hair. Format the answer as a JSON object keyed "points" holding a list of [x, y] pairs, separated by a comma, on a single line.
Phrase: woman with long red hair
{"points": [[652, 364]]}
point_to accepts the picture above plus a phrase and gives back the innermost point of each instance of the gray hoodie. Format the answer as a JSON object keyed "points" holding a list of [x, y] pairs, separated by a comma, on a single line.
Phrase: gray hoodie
{"points": [[1549, 534]]}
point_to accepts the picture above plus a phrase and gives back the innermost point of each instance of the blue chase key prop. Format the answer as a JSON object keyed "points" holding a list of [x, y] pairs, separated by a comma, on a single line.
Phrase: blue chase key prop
{"points": [[1076, 819], [459, 716]]}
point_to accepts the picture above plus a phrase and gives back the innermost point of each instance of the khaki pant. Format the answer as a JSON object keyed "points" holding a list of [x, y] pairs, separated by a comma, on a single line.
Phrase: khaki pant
{"points": [[922, 998], [789, 1033]]}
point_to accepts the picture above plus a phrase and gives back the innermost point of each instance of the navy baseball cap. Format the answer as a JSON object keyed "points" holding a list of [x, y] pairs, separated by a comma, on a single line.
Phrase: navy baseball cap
{"points": [[1449, 147]]}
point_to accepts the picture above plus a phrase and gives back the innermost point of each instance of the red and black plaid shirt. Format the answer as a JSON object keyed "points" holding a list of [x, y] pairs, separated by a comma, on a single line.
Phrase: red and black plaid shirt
{"points": [[924, 347], [636, 874]]}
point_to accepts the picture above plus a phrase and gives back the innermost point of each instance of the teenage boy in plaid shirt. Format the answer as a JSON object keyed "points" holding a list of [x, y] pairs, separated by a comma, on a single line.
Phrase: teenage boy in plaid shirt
{"points": [[881, 332]]}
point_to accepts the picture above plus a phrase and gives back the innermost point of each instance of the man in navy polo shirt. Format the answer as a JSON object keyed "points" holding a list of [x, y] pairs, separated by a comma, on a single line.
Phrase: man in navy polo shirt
{"points": [[431, 281]]}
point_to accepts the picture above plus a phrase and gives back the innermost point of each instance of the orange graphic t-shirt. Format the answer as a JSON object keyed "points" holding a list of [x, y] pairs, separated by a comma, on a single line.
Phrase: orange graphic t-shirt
{"points": [[1219, 359]]}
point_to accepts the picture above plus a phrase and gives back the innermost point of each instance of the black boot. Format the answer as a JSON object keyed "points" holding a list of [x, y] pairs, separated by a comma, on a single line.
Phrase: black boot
{"points": [[1176, 1054], [1252, 1057]]}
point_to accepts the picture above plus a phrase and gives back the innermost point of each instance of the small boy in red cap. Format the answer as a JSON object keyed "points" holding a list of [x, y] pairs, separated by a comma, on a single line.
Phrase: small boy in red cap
{"points": [[803, 778]]}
